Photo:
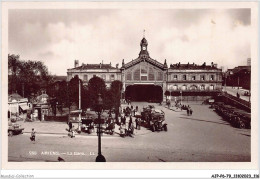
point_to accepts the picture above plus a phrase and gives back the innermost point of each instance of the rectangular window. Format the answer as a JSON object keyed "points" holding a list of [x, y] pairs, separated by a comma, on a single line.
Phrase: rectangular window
{"points": [[103, 77], [144, 74], [137, 74], [143, 71], [175, 77], [129, 76], [184, 77], [160, 76], [85, 78], [144, 78], [112, 77], [211, 77], [193, 78], [202, 77], [151, 76]]}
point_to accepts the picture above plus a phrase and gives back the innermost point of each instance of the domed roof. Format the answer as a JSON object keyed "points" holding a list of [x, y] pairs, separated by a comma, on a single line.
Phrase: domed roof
{"points": [[144, 41]]}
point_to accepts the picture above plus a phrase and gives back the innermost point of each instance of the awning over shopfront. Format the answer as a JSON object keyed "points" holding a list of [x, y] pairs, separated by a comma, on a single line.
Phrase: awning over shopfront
{"points": [[13, 109], [24, 107]]}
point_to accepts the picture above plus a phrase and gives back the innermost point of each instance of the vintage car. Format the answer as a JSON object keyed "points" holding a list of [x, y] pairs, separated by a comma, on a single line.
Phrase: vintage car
{"points": [[157, 121], [87, 125], [237, 118], [146, 113], [14, 129]]}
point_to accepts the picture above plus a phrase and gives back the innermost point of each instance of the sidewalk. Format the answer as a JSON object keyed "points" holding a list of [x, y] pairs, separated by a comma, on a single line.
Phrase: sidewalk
{"points": [[59, 128]]}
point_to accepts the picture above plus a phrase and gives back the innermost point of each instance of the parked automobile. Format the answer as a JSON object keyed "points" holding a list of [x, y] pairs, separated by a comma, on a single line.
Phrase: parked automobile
{"points": [[88, 125], [237, 118], [246, 93], [14, 129], [157, 121]]}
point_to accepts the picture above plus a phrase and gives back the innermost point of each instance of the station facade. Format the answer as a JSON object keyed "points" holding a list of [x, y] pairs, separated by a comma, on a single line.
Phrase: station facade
{"points": [[145, 79]]}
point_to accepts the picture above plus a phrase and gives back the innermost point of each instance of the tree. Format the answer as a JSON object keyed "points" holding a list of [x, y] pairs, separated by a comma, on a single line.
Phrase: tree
{"points": [[85, 98], [115, 90], [96, 86], [27, 77], [73, 91], [14, 66]]}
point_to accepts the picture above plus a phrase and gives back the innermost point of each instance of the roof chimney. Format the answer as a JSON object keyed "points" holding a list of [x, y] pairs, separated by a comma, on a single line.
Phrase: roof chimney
{"points": [[123, 63], [100, 65], [76, 63]]}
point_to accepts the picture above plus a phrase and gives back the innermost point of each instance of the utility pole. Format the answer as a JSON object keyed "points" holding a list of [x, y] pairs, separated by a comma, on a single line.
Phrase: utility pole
{"points": [[238, 83], [79, 105], [68, 100], [225, 82], [23, 90]]}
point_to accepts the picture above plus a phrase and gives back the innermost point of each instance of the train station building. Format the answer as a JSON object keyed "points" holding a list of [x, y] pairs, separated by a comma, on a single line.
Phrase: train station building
{"points": [[146, 79]]}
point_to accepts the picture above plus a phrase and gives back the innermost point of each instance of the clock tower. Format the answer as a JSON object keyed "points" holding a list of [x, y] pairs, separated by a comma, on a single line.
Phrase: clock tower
{"points": [[144, 53]]}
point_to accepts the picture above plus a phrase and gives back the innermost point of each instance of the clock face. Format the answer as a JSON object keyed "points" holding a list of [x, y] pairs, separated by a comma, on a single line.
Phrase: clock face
{"points": [[144, 48]]}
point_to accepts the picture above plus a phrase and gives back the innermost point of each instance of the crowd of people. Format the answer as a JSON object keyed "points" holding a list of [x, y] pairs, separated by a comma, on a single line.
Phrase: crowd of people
{"points": [[127, 117]]}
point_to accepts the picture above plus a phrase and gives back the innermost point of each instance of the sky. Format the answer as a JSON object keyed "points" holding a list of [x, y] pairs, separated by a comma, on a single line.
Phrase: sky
{"points": [[59, 36]]}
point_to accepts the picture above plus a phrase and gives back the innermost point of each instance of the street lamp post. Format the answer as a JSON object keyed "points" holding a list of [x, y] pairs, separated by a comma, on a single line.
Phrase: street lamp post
{"points": [[100, 157], [79, 106], [225, 82]]}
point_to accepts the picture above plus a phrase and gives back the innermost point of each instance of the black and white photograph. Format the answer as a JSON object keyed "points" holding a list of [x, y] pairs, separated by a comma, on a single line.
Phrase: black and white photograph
{"points": [[130, 84]]}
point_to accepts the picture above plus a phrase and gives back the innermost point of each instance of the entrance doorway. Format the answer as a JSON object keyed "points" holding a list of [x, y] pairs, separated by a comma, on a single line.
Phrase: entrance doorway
{"points": [[149, 93]]}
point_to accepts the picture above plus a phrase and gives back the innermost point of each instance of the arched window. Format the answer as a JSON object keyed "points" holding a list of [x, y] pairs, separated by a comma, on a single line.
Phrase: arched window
{"points": [[193, 87], [184, 87]]}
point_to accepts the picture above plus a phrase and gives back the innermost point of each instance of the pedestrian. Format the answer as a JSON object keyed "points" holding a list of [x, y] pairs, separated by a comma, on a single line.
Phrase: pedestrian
{"points": [[136, 108], [72, 132], [188, 111], [133, 112], [123, 120], [70, 125], [136, 123], [33, 135], [130, 123], [110, 113], [191, 111], [122, 130]]}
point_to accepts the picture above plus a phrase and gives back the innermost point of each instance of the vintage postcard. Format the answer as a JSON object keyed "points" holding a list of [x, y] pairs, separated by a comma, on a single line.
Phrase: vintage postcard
{"points": [[133, 85]]}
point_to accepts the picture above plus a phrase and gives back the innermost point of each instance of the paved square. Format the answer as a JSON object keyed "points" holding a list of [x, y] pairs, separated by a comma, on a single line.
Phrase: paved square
{"points": [[202, 137]]}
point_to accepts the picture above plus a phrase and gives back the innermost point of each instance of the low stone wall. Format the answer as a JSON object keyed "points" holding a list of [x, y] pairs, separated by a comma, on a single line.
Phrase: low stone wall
{"points": [[56, 118], [190, 98]]}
